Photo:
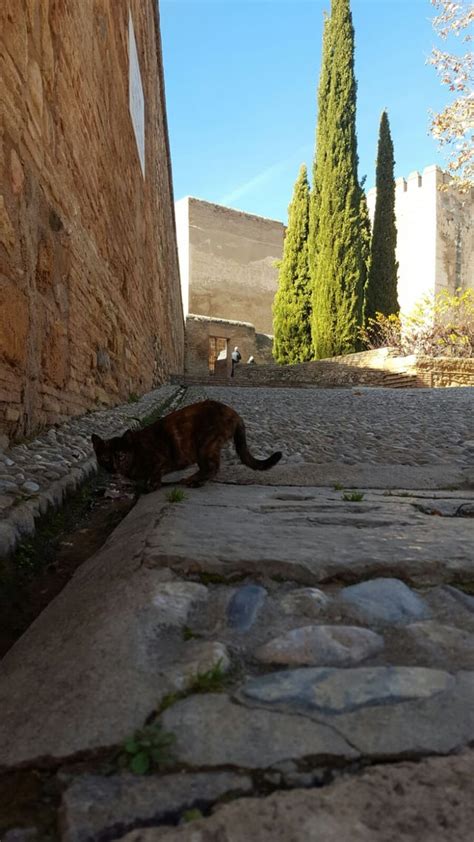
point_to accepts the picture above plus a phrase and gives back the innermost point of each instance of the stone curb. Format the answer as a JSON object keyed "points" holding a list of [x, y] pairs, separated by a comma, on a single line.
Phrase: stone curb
{"points": [[20, 520]]}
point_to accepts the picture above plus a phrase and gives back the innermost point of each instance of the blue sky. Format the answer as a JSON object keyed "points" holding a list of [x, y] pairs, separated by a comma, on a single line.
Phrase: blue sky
{"points": [[241, 79]]}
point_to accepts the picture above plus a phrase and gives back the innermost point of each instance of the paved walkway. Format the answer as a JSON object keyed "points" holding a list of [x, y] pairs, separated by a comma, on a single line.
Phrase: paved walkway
{"points": [[309, 647]]}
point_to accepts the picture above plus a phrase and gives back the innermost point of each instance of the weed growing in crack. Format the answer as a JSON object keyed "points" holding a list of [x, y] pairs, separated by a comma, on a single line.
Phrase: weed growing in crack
{"points": [[212, 681], [189, 634], [338, 486], [149, 749], [192, 815], [353, 496], [176, 495]]}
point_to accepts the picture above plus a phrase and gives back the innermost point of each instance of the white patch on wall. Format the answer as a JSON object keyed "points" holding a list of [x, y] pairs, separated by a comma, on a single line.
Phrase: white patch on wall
{"points": [[136, 98]]}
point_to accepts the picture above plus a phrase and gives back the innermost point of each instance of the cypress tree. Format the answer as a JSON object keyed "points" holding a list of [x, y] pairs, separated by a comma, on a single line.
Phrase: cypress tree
{"points": [[366, 236], [320, 153], [381, 292], [292, 303], [337, 254]]}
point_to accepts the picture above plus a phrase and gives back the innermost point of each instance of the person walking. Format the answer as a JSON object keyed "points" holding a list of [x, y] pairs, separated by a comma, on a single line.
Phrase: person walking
{"points": [[236, 357]]}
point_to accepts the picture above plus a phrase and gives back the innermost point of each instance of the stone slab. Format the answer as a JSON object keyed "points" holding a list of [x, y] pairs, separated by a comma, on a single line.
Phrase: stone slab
{"points": [[310, 536], [213, 731], [321, 474], [97, 807], [382, 711], [430, 801], [64, 669]]}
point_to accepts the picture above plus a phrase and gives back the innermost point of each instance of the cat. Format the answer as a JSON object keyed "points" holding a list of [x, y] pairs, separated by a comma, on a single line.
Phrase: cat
{"points": [[194, 434]]}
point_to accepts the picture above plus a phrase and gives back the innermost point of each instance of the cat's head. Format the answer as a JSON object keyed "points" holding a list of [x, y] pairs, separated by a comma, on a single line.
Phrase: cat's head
{"points": [[116, 454]]}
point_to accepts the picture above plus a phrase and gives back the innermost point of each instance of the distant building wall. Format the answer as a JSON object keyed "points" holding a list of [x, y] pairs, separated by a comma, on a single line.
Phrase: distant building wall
{"points": [[227, 261], [90, 305], [435, 236], [200, 330]]}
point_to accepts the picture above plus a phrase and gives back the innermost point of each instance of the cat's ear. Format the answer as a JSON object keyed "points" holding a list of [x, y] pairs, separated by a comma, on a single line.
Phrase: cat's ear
{"points": [[127, 437], [96, 441]]}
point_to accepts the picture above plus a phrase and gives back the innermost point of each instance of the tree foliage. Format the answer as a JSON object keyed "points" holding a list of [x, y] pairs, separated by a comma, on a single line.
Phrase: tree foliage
{"points": [[292, 304], [454, 126], [381, 292], [336, 258]]}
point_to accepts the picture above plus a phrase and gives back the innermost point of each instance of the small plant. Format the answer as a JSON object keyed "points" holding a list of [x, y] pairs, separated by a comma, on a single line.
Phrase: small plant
{"points": [[149, 749], [211, 681], [176, 495], [353, 496], [133, 398], [192, 815], [338, 486], [189, 634]]}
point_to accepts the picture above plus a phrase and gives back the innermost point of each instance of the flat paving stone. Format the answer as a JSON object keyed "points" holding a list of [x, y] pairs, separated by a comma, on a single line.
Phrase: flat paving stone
{"points": [[384, 601], [321, 646], [429, 801], [212, 731], [96, 807], [309, 541], [383, 711]]}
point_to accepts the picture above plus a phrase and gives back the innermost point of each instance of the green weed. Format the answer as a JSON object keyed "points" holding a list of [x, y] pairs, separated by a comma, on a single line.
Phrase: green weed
{"points": [[176, 495], [353, 497], [147, 750]]}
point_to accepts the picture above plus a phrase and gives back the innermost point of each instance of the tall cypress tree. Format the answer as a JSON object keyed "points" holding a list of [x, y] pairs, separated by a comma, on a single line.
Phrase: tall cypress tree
{"points": [[337, 254], [366, 237], [381, 293], [292, 303], [320, 153]]}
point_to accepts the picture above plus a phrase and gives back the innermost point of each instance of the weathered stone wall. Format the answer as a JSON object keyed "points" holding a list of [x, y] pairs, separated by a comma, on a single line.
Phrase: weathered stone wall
{"points": [[90, 306], [382, 367], [435, 236], [227, 262]]}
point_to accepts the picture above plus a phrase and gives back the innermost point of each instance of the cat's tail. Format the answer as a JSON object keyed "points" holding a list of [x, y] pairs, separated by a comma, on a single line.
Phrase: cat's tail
{"points": [[246, 457]]}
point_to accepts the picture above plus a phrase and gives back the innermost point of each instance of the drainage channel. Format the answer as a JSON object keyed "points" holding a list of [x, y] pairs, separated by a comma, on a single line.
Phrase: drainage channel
{"points": [[64, 538]]}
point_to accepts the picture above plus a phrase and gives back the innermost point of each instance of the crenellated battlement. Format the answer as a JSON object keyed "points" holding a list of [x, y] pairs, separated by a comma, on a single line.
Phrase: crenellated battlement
{"points": [[431, 178]]}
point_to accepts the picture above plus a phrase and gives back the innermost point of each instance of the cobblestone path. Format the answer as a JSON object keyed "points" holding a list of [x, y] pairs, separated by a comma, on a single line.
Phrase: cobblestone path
{"points": [[306, 645]]}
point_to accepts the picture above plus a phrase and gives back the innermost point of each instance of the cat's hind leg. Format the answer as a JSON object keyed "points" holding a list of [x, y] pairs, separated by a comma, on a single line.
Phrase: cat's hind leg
{"points": [[208, 467]]}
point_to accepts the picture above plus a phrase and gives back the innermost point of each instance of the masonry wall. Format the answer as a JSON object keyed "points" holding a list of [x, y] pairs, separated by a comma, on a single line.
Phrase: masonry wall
{"points": [[90, 304], [435, 236], [198, 331], [228, 262]]}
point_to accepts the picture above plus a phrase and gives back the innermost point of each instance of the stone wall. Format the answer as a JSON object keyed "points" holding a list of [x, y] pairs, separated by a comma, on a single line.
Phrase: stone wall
{"points": [[227, 262], [199, 329], [381, 367], [90, 305]]}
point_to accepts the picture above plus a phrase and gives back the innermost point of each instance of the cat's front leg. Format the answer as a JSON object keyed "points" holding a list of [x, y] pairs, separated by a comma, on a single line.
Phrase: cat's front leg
{"points": [[154, 481]]}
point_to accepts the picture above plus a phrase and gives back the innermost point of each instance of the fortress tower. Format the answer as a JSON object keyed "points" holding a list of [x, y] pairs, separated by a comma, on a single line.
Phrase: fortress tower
{"points": [[435, 235]]}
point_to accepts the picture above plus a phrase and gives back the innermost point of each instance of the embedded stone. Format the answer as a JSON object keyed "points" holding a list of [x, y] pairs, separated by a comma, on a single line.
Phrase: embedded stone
{"points": [[384, 601], [335, 691], [308, 601], [321, 645], [198, 657], [446, 642], [464, 598], [244, 606], [211, 731], [31, 487], [174, 600]]}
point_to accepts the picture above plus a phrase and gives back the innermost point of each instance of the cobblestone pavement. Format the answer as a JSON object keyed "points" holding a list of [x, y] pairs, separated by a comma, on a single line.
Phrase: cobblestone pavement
{"points": [[310, 651], [385, 426]]}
